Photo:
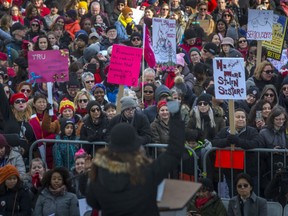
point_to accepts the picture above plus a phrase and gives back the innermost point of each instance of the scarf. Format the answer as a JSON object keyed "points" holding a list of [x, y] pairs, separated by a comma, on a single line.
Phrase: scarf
{"points": [[199, 202], [57, 192], [81, 112], [40, 116], [199, 118], [124, 21]]}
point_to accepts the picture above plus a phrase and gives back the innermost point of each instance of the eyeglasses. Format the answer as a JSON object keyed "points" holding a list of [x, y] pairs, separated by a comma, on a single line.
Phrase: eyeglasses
{"points": [[82, 100], [268, 95], [35, 25], [25, 90], [150, 92], [203, 9], [242, 41], [227, 15], [268, 71], [89, 81], [136, 38], [242, 186], [202, 104], [20, 101], [95, 109]]}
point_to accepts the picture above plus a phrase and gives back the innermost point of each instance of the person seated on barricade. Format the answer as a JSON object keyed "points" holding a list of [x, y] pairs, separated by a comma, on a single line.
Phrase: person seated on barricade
{"points": [[32, 179], [94, 128], [245, 137], [63, 153], [206, 202], [195, 141], [123, 181], [277, 189], [246, 202]]}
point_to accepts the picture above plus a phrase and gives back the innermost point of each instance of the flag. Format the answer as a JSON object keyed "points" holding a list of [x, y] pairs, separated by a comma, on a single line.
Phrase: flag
{"points": [[148, 52]]}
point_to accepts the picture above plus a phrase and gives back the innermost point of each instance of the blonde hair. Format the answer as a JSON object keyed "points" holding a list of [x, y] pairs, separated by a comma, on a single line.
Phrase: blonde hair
{"points": [[259, 69], [23, 115], [79, 94]]}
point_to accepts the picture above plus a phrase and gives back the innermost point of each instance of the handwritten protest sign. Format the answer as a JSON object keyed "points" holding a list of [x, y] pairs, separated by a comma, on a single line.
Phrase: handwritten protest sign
{"points": [[275, 46], [260, 24], [229, 77], [125, 65], [164, 41], [137, 15], [283, 61], [48, 66]]}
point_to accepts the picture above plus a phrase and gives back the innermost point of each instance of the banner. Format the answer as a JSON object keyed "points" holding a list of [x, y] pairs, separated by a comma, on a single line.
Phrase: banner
{"points": [[164, 41], [229, 78], [260, 24]]}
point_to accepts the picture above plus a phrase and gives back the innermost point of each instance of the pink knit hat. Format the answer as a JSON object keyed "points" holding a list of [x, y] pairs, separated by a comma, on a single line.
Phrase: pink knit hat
{"points": [[180, 59]]}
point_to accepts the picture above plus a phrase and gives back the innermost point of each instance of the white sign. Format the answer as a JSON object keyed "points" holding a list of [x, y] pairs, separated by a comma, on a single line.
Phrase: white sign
{"points": [[284, 60], [137, 15], [164, 41], [83, 206], [229, 78], [260, 23]]}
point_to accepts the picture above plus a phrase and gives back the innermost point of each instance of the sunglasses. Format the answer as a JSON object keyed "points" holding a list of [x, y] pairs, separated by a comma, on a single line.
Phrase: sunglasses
{"points": [[203, 9], [202, 104], [269, 95], [150, 92], [82, 100], [242, 186], [89, 81], [35, 25], [227, 15], [269, 71], [242, 41], [266, 2], [25, 90], [165, 9], [285, 88], [20, 101], [136, 38], [95, 109]]}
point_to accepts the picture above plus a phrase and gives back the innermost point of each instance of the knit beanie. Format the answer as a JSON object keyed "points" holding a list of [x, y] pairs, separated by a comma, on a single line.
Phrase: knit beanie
{"points": [[127, 102], [72, 14], [254, 91], [123, 138], [8, 171], [66, 104], [194, 49], [160, 91], [191, 3], [126, 10], [99, 85], [91, 104], [192, 135], [17, 96], [189, 33], [21, 62], [161, 104], [63, 123], [83, 37], [73, 81], [179, 83], [206, 98], [211, 48], [180, 59], [80, 154], [207, 184], [83, 4], [151, 2], [110, 28], [3, 56]]}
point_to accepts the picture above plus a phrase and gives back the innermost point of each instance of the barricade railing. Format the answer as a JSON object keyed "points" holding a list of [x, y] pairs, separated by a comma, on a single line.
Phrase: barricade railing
{"points": [[272, 152]]}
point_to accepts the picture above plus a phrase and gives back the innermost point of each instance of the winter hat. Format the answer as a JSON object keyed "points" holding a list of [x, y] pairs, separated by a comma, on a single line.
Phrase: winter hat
{"points": [[35, 21], [145, 4], [89, 53], [80, 154], [194, 49], [63, 123], [254, 91], [151, 2], [72, 14], [73, 81], [66, 104], [127, 102], [80, 32], [16, 26], [207, 184], [189, 33], [83, 37], [120, 2], [136, 34], [3, 141], [211, 47], [206, 98], [161, 90], [191, 3], [21, 62], [3, 56], [192, 135], [83, 4], [91, 104], [228, 41], [54, 4], [180, 84], [180, 59], [94, 34], [161, 104], [123, 138], [232, 33], [17, 96], [110, 28], [126, 10], [98, 85], [8, 171]]}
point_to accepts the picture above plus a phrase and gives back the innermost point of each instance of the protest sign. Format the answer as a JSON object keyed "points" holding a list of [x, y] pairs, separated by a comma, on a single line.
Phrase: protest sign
{"points": [[275, 46], [137, 15], [260, 24], [48, 66], [125, 65], [229, 78], [164, 41], [283, 61]]}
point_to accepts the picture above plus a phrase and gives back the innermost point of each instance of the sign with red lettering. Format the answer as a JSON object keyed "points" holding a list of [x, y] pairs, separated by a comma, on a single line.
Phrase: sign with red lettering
{"points": [[260, 23], [229, 78], [48, 66], [124, 65]]}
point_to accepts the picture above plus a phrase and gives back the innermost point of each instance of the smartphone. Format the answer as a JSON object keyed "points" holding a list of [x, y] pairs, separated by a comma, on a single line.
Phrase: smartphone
{"points": [[259, 115]]}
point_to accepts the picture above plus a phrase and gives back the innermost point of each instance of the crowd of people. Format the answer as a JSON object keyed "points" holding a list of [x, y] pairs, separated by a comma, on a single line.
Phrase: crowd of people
{"points": [[85, 109]]}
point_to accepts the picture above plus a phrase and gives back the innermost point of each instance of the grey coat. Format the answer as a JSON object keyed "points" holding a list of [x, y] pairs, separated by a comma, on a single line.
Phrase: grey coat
{"points": [[255, 205], [15, 159], [47, 204]]}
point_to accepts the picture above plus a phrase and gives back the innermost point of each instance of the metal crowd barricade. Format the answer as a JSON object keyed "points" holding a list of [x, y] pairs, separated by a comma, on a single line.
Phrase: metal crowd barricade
{"points": [[156, 147], [79, 142], [272, 152]]}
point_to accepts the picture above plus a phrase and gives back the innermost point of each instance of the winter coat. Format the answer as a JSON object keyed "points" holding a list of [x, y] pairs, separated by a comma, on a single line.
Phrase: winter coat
{"points": [[260, 84], [15, 158], [113, 192], [48, 204], [253, 206], [160, 131], [22, 205], [272, 88], [121, 31], [72, 28], [213, 207]]}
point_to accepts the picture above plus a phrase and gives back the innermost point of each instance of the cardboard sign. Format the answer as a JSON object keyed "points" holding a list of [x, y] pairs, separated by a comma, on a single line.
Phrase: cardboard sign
{"points": [[275, 46], [260, 24], [283, 61], [229, 78], [48, 66], [230, 159], [125, 65]]}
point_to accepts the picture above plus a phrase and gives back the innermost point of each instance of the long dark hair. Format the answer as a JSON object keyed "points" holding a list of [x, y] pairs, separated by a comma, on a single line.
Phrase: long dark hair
{"points": [[36, 47]]}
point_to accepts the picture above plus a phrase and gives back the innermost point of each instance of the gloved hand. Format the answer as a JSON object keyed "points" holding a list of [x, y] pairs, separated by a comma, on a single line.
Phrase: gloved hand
{"points": [[129, 29], [36, 180], [49, 106], [233, 139]]}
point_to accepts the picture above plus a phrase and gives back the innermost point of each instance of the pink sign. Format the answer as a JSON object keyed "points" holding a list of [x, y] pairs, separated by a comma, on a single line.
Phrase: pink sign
{"points": [[48, 66], [125, 65]]}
